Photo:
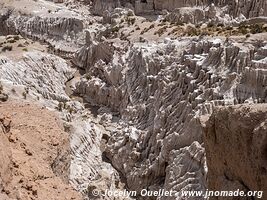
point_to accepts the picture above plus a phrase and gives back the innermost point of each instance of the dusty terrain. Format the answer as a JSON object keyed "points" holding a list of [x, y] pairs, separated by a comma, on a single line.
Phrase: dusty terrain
{"points": [[35, 155], [133, 83]]}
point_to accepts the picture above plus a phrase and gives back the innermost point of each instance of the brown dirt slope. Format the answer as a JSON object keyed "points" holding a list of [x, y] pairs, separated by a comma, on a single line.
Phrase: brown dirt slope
{"points": [[34, 154]]}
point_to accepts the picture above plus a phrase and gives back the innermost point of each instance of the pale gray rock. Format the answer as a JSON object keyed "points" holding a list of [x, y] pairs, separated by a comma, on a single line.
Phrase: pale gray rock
{"points": [[99, 6], [93, 52], [163, 89], [42, 74], [187, 15]]}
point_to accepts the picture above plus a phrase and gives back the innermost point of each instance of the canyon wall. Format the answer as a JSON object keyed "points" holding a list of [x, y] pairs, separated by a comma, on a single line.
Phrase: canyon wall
{"points": [[248, 8], [132, 106], [161, 92], [235, 143]]}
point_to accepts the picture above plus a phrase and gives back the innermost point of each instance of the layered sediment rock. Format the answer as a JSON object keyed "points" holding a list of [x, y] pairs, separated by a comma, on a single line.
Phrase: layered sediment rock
{"points": [[162, 90], [246, 8], [36, 75], [59, 27], [93, 52], [139, 126], [99, 6], [235, 144]]}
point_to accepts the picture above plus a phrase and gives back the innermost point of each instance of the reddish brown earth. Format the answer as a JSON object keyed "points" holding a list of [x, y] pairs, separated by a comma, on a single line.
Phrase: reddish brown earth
{"points": [[34, 154]]}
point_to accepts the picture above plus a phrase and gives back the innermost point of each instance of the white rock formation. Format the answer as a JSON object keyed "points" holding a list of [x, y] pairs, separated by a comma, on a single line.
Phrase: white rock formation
{"points": [[39, 74], [161, 90]]}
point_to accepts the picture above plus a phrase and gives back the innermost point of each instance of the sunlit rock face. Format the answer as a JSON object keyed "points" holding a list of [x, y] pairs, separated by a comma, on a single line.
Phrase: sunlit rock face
{"points": [[162, 90], [132, 101], [235, 143]]}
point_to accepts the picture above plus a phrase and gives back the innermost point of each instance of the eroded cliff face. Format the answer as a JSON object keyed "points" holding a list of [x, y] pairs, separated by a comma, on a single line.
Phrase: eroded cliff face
{"points": [[161, 92], [132, 100], [235, 144]]}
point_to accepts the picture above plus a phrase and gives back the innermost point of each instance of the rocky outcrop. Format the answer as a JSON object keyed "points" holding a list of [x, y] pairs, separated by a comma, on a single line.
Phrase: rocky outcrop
{"points": [[93, 52], [247, 8], [62, 33], [235, 144], [4, 15], [186, 15], [59, 27], [162, 90], [39, 74], [35, 154]]}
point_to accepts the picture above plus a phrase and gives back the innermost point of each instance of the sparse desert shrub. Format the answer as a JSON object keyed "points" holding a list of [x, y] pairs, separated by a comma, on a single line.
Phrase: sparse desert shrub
{"points": [[161, 31], [179, 24], [162, 23], [12, 40], [60, 106], [21, 45], [198, 25], [115, 29], [7, 48], [16, 37], [24, 49], [229, 28], [130, 20], [144, 31], [130, 13], [175, 30], [164, 20], [24, 94], [152, 26], [256, 28], [210, 25], [88, 76], [192, 31], [244, 31]]}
